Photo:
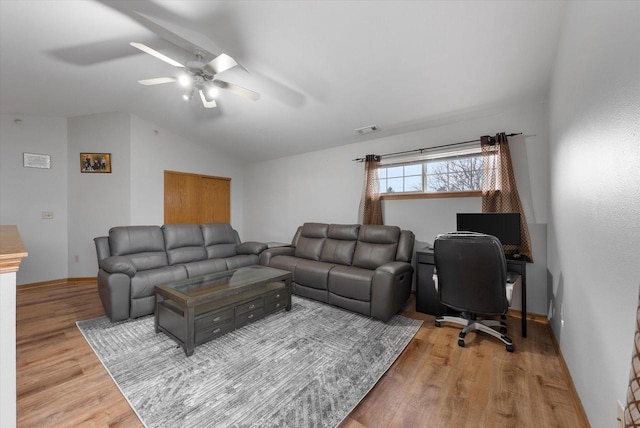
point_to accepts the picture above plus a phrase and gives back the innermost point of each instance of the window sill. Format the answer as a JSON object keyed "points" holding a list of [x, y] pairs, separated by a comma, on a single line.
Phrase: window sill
{"points": [[469, 194]]}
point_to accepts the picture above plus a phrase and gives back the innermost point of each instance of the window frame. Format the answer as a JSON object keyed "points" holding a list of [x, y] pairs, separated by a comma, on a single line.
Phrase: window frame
{"points": [[422, 159]]}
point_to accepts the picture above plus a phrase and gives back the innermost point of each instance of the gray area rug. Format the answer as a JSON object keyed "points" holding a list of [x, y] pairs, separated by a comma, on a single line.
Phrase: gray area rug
{"points": [[305, 368]]}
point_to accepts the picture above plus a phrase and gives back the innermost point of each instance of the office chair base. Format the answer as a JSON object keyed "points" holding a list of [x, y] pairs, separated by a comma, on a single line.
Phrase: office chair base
{"points": [[481, 325]]}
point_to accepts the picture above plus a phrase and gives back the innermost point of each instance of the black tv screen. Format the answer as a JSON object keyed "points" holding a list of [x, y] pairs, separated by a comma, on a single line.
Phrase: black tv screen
{"points": [[504, 226]]}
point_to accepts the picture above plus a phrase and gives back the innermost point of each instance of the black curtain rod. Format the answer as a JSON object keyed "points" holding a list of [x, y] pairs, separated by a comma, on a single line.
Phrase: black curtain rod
{"points": [[491, 140]]}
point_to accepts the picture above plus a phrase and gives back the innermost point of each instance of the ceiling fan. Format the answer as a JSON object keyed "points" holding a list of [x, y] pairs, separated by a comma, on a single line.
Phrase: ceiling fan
{"points": [[198, 76]]}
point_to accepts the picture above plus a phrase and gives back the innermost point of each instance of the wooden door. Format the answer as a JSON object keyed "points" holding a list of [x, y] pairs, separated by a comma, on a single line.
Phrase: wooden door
{"points": [[194, 198]]}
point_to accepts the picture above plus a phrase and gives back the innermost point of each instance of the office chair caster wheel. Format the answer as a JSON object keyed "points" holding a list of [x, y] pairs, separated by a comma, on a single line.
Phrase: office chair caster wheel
{"points": [[438, 324], [509, 348], [461, 343]]}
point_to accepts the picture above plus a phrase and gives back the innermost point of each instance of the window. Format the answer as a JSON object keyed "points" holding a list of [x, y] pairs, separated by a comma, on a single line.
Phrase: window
{"points": [[433, 173]]}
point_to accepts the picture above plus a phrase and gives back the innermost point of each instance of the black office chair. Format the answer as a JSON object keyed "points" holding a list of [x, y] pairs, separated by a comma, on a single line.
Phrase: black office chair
{"points": [[471, 277]]}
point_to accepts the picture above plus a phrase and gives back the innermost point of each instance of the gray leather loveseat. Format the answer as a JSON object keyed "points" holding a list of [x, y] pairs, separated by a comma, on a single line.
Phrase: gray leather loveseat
{"points": [[132, 260], [363, 268]]}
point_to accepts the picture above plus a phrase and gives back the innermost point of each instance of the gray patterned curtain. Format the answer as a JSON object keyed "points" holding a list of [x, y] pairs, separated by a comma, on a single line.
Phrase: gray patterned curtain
{"points": [[371, 203], [499, 190]]}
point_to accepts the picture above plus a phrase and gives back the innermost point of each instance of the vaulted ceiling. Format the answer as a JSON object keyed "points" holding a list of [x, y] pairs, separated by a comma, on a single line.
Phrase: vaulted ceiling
{"points": [[323, 68]]}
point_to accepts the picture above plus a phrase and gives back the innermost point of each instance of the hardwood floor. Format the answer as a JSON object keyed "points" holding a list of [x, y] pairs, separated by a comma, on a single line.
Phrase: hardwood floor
{"points": [[434, 383]]}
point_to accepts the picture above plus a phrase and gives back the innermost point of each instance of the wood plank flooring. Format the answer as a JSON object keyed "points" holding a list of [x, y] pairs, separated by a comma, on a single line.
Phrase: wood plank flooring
{"points": [[434, 383]]}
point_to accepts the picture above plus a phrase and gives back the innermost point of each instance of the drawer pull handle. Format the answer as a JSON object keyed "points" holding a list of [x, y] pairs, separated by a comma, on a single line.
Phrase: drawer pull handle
{"points": [[217, 330], [250, 316], [252, 306], [216, 319], [277, 295]]}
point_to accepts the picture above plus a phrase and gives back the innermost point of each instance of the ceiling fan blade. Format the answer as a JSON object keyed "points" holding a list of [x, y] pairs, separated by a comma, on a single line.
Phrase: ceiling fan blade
{"points": [[247, 93], [153, 52], [220, 63], [205, 103], [156, 81]]}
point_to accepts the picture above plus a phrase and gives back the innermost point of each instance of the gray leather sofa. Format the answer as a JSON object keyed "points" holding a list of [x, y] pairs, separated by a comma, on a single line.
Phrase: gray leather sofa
{"points": [[132, 260], [363, 268]]}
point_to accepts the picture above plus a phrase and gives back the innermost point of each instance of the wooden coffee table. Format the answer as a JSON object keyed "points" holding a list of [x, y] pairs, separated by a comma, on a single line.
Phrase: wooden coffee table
{"points": [[196, 310]]}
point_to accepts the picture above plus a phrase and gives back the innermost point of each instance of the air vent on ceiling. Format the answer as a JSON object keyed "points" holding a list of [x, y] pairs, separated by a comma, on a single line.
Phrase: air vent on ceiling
{"points": [[367, 130]]}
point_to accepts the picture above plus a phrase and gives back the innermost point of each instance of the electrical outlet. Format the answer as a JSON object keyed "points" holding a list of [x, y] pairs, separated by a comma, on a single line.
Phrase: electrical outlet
{"points": [[47, 215], [620, 416]]}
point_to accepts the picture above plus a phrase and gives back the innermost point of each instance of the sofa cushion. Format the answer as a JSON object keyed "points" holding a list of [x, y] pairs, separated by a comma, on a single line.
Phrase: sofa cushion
{"points": [[205, 267], [143, 284], [241, 260], [313, 274], [184, 243], [311, 241], [285, 262], [340, 244], [150, 260], [376, 246], [351, 282]]}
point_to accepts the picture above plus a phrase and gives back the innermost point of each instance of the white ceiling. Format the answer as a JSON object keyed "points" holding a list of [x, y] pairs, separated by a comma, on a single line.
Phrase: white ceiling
{"points": [[323, 68]]}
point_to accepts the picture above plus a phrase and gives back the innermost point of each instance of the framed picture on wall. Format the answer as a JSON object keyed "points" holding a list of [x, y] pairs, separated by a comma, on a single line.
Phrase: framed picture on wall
{"points": [[95, 162]]}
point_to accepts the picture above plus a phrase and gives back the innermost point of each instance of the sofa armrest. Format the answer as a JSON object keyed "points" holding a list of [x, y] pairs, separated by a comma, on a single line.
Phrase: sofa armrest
{"points": [[118, 264], [269, 253], [251, 247], [390, 289]]}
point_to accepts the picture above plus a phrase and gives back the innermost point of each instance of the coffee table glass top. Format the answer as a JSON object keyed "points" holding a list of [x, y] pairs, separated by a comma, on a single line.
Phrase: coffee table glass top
{"points": [[228, 281]]}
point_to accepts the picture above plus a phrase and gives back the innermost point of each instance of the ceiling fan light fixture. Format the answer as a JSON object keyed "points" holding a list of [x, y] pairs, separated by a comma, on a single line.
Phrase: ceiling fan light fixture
{"points": [[184, 80], [212, 91], [188, 94]]}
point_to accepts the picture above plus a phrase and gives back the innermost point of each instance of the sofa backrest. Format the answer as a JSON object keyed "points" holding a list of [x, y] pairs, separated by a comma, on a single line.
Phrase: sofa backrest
{"points": [[311, 240], [144, 245], [220, 240], [340, 244], [183, 243], [365, 246], [376, 246]]}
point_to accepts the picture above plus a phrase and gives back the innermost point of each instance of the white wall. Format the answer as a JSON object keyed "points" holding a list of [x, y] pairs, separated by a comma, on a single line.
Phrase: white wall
{"points": [[326, 186], [594, 232], [86, 205], [97, 201], [156, 150], [26, 192]]}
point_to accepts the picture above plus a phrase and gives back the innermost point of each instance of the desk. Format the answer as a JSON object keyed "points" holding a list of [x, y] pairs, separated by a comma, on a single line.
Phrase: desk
{"points": [[427, 300]]}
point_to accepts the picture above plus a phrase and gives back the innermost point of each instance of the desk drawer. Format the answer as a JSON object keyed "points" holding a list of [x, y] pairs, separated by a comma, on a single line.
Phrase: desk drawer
{"points": [[427, 258], [249, 306]]}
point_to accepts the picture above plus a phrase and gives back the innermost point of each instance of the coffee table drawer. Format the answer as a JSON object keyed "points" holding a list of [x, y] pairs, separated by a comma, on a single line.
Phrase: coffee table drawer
{"points": [[275, 301], [249, 306], [211, 319], [206, 334], [248, 317]]}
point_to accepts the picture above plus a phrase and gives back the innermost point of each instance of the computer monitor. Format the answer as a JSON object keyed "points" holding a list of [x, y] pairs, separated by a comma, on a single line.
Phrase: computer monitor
{"points": [[504, 226]]}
